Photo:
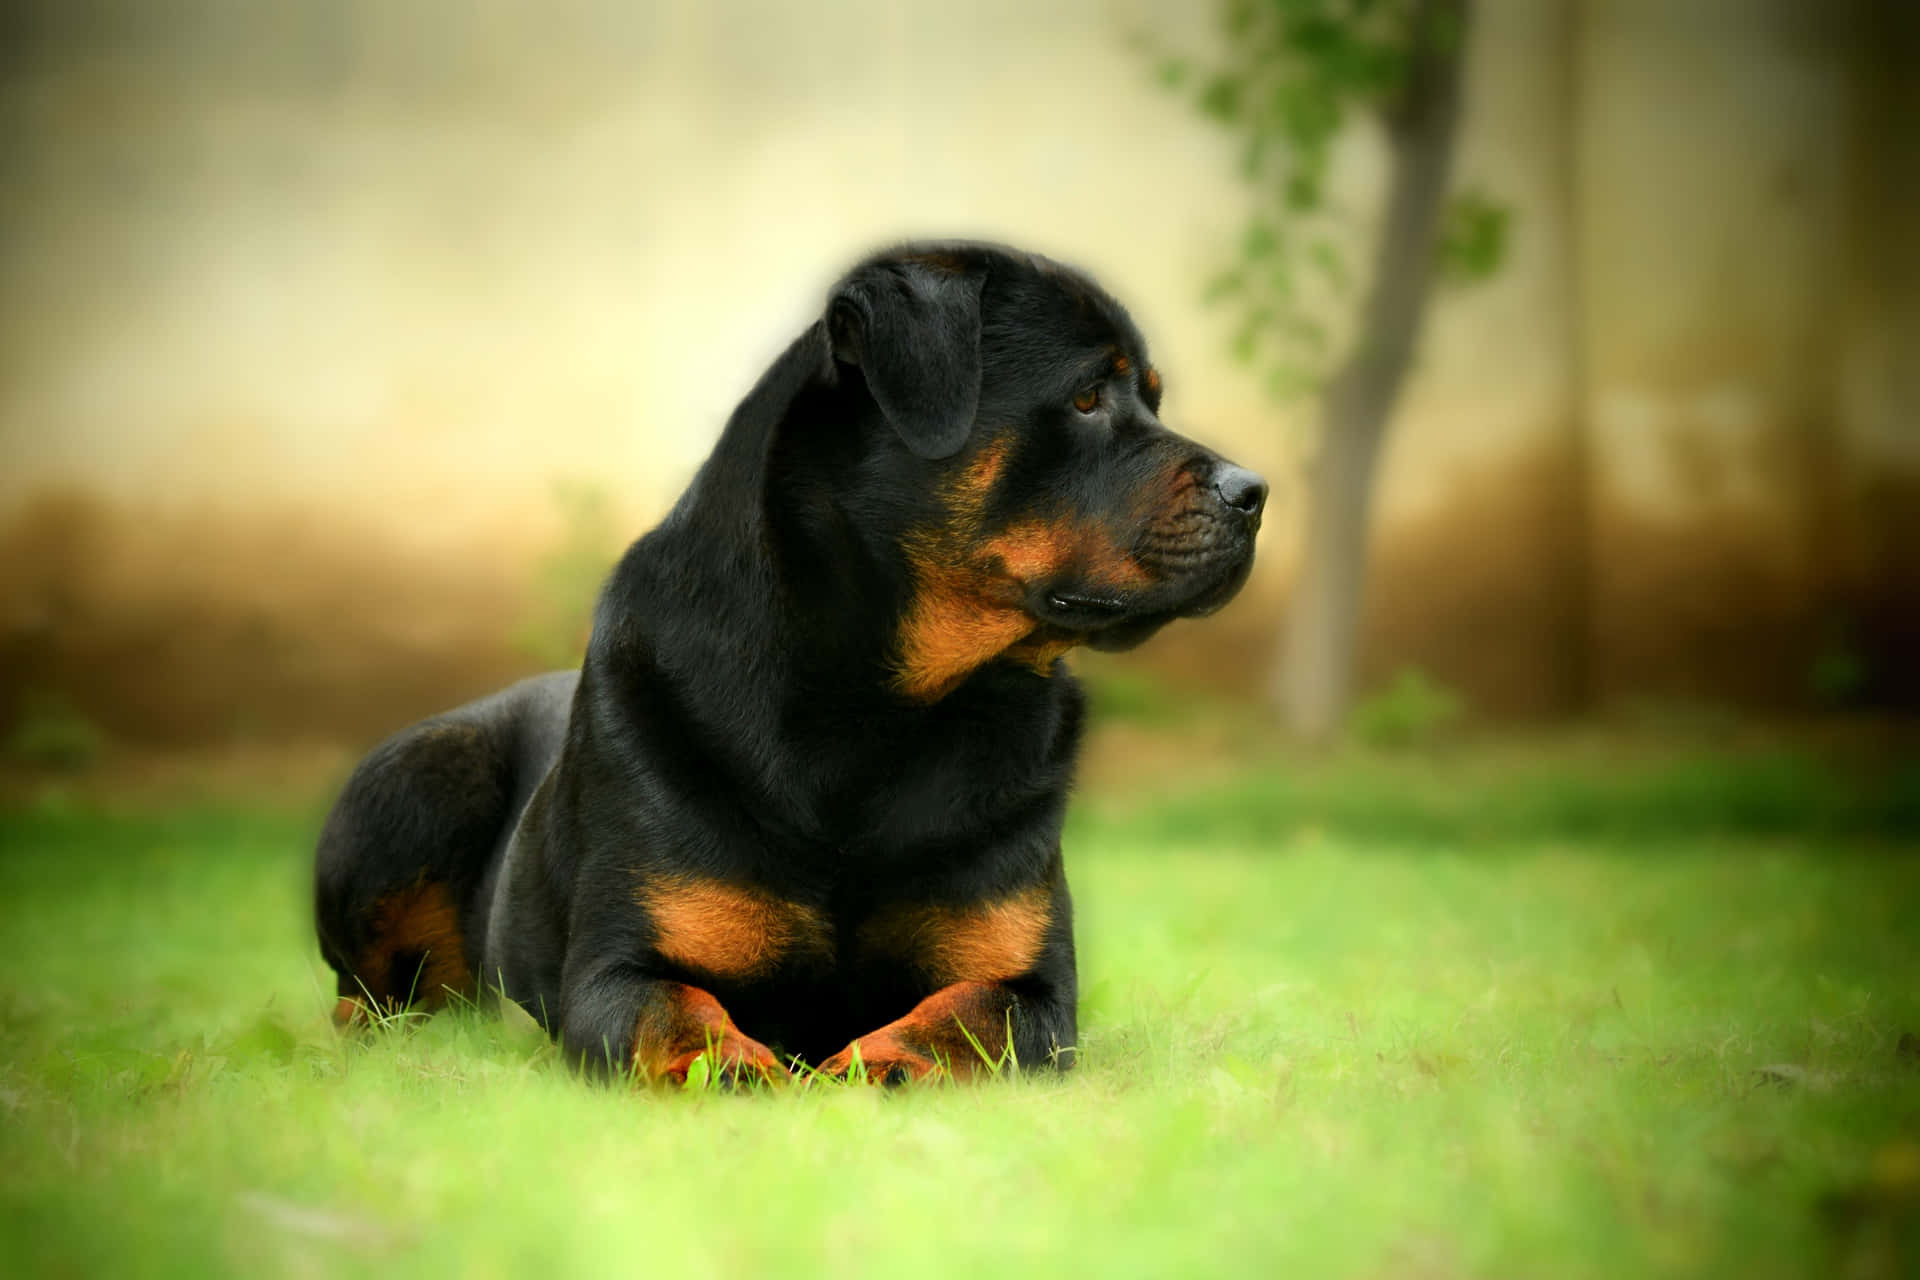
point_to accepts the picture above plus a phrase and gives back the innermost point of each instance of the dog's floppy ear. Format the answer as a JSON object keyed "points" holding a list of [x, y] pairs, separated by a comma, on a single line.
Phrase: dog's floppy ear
{"points": [[913, 328]]}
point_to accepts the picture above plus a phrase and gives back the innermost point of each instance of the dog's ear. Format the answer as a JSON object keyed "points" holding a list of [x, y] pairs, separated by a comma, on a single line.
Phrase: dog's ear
{"points": [[913, 328]]}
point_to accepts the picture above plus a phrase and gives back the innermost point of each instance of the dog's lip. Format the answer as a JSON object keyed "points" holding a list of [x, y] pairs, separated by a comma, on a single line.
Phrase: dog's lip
{"points": [[1077, 602], [1079, 609]]}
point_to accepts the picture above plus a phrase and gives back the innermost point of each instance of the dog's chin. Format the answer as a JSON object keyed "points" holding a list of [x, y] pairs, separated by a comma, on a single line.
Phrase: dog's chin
{"points": [[1113, 623], [1126, 634]]}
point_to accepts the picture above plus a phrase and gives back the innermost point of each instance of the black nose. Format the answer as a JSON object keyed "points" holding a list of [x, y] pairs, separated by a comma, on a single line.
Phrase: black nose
{"points": [[1241, 489]]}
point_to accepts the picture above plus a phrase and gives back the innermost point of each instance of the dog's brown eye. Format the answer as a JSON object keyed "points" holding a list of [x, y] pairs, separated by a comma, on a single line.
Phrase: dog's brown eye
{"points": [[1088, 400]]}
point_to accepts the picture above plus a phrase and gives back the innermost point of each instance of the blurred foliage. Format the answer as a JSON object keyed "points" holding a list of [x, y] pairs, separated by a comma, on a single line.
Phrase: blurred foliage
{"points": [[1127, 695], [566, 579], [1294, 74], [1473, 239], [1670, 718], [1413, 710], [1839, 675], [51, 733]]}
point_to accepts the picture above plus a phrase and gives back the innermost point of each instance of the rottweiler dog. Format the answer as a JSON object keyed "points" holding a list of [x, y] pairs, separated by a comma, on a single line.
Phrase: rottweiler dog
{"points": [[802, 803]]}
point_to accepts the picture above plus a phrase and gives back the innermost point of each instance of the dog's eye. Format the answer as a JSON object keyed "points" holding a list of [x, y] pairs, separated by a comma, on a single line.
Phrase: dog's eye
{"points": [[1088, 400]]}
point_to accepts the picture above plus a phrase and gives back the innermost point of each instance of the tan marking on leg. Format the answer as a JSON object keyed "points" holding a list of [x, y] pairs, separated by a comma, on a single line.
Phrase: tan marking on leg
{"points": [[943, 1029], [680, 1023], [420, 920]]}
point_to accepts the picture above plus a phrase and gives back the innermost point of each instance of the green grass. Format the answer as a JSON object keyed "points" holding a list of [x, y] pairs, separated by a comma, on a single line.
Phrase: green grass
{"points": [[1402, 1017]]}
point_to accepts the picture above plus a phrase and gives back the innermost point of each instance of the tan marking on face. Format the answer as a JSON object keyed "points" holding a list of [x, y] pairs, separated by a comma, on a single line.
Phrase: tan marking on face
{"points": [[970, 601], [1035, 549], [1121, 364], [729, 931], [1032, 549], [1152, 381], [1168, 511], [967, 494], [987, 942]]}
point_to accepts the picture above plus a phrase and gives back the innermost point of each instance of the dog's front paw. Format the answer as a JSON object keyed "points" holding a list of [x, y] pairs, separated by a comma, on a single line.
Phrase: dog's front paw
{"points": [[732, 1060], [884, 1058]]}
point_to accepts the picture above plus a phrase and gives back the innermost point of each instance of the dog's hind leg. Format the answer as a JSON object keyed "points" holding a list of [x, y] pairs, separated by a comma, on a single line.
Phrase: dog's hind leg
{"points": [[401, 862]]}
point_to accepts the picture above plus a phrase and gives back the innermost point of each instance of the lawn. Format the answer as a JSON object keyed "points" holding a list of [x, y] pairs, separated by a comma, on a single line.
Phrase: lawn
{"points": [[1478, 1015]]}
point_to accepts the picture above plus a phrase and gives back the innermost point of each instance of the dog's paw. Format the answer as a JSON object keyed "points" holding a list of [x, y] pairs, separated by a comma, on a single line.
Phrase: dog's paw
{"points": [[732, 1061], [884, 1059], [349, 1014]]}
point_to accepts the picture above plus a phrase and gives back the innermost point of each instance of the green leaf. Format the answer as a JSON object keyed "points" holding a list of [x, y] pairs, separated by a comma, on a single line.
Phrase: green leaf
{"points": [[1309, 113], [1253, 156], [1323, 255], [1306, 331], [1259, 240], [1225, 285], [1286, 382], [1241, 345], [1280, 282], [1221, 98], [1302, 191], [1473, 238], [1316, 37]]}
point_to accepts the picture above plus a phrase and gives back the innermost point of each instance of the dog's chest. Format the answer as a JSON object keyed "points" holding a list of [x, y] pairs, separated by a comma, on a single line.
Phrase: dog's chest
{"points": [[743, 935]]}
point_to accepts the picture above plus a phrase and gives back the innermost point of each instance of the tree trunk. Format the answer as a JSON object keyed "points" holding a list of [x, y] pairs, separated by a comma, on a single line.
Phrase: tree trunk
{"points": [[1314, 678], [1573, 534]]}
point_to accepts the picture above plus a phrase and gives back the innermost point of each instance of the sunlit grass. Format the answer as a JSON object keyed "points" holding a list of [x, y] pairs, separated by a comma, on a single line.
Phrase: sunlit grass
{"points": [[1311, 1043]]}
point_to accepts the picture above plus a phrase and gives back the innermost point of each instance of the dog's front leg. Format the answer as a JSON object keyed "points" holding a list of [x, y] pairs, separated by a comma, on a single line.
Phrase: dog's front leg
{"points": [[654, 1029], [965, 1029]]}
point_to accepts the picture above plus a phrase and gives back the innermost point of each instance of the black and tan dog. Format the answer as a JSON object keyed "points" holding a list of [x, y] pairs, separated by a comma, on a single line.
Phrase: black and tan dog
{"points": [[805, 795]]}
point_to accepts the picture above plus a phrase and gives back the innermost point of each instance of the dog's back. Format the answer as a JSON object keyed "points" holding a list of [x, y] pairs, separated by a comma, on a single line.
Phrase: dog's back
{"points": [[406, 861]]}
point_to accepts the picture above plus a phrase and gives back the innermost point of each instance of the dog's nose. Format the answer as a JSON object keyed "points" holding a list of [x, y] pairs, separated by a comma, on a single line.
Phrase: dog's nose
{"points": [[1241, 489]]}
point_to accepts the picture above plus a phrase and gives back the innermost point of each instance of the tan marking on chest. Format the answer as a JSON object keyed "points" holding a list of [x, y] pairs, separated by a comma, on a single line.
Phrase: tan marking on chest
{"points": [[1039, 651], [988, 942], [727, 930]]}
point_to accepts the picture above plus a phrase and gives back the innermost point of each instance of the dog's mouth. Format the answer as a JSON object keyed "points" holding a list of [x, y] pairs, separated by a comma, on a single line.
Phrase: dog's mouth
{"points": [[1111, 620]]}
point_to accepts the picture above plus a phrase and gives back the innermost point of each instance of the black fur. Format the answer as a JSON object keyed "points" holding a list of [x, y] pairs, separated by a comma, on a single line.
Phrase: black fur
{"points": [[778, 696]]}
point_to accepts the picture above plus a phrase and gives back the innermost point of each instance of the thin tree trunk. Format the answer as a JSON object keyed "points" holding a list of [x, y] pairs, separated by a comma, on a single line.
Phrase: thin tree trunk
{"points": [[1575, 683], [1315, 673]]}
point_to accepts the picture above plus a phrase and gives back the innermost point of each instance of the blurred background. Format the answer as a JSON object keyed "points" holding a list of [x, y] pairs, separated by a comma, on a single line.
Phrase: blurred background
{"points": [[344, 343]]}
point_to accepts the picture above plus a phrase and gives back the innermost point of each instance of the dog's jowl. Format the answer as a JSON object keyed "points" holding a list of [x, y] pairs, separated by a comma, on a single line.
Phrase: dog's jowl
{"points": [[802, 803]]}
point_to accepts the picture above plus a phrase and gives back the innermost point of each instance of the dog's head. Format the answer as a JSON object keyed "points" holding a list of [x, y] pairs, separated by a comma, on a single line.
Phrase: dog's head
{"points": [[1016, 460]]}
